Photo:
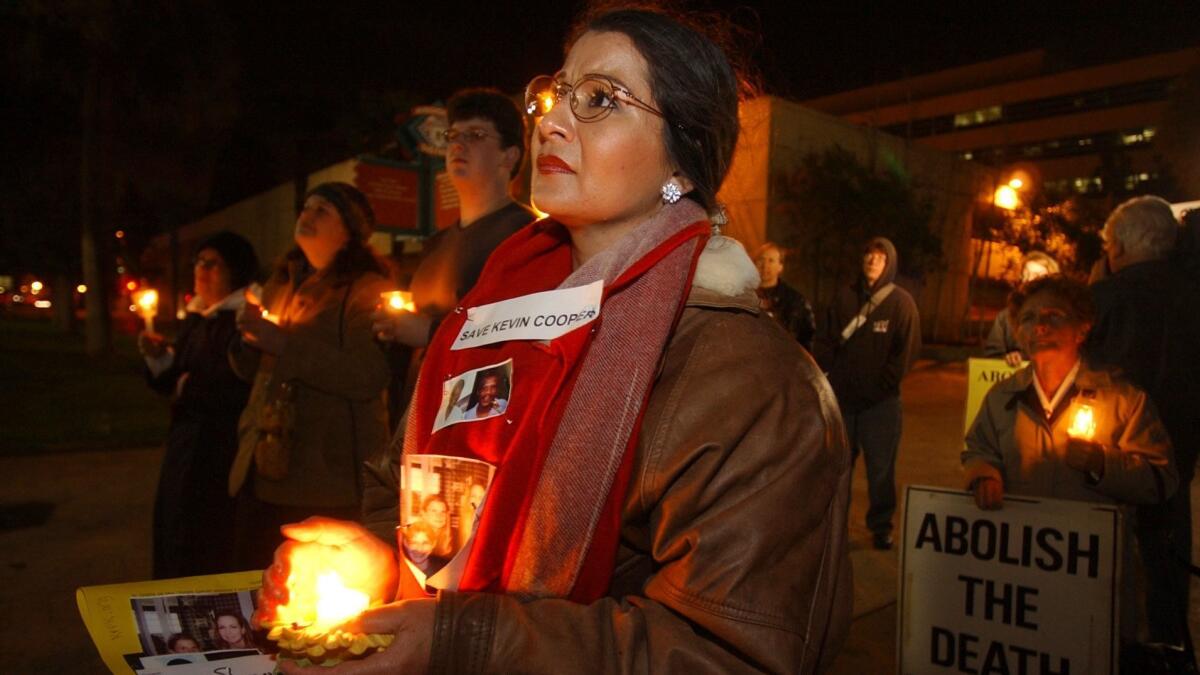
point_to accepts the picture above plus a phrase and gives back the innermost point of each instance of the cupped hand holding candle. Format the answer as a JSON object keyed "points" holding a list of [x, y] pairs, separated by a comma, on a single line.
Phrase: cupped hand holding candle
{"points": [[260, 330], [327, 573], [397, 320], [1084, 454], [398, 301]]}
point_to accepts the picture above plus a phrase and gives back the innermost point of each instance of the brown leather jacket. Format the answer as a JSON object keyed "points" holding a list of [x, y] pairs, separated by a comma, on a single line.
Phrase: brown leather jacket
{"points": [[733, 545]]}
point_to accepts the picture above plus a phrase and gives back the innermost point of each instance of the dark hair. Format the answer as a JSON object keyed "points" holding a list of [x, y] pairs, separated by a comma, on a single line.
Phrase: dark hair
{"points": [[236, 253], [174, 640], [247, 634], [491, 105], [1074, 294], [693, 84]]}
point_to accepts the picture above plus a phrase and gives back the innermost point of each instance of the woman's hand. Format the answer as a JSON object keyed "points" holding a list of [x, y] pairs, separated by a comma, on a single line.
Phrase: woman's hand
{"points": [[989, 493], [408, 328], [363, 561], [1013, 358], [411, 621], [260, 333], [151, 344]]}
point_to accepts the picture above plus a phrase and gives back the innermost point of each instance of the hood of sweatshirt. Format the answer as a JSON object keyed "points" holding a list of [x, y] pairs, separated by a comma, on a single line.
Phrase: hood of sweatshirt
{"points": [[889, 270]]}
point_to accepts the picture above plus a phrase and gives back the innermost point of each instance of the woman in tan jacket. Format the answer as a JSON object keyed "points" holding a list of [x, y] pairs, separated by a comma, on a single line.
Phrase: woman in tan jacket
{"points": [[316, 409]]}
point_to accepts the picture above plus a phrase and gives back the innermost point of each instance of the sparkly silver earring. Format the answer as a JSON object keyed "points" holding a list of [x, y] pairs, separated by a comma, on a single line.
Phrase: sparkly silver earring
{"points": [[671, 192]]}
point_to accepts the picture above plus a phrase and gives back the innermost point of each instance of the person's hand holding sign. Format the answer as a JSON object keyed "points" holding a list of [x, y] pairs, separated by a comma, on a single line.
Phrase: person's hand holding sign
{"points": [[989, 493]]}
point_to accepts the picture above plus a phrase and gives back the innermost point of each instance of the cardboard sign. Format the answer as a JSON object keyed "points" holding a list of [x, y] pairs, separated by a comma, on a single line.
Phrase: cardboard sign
{"points": [[1030, 588], [981, 375]]}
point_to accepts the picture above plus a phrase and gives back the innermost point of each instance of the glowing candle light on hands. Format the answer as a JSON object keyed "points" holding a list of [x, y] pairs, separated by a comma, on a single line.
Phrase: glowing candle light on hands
{"points": [[398, 301], [1083, 424], [318, 601]]}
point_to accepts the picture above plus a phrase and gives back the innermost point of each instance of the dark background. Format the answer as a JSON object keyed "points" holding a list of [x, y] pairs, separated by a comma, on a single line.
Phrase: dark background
{"points": [[199, 104]]}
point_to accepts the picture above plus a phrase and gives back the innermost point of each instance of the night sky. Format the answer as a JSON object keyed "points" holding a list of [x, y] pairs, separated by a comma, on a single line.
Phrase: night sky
{"points": [[211, 102]]}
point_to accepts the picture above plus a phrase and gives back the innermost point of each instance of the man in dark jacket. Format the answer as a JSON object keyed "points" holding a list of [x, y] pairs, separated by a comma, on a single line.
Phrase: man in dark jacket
{"points": [[1147, 326], [779, 300], [869, 341]]}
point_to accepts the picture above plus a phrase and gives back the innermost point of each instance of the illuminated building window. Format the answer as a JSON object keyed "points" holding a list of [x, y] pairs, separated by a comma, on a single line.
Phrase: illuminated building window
{"points": [[1137, 137], [980, 116]]}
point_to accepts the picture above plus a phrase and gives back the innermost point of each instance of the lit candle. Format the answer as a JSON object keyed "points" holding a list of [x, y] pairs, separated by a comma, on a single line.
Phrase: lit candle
{"points": [[147, 302], [318, 601], [1083, 424], [398, 301], [270, 317]]}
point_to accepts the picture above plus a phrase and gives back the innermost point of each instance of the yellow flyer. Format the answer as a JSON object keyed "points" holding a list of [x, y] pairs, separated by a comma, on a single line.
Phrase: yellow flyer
{"points": [[981, 375], [181, 626]]}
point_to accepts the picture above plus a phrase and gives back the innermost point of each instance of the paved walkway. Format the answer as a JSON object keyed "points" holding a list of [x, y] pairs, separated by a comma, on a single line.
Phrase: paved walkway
{"points": [[99, 528]]}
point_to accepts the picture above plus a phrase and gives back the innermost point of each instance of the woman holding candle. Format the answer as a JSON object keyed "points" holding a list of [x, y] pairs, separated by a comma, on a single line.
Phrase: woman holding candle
{"points": [[672, 478], [192, 506], [1059, 428], [316, 410]]}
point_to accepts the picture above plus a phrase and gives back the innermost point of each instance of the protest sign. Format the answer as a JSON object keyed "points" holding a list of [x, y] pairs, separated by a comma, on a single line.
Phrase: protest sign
{"points": [[173, 626], [981, 375], [1030, 588]]}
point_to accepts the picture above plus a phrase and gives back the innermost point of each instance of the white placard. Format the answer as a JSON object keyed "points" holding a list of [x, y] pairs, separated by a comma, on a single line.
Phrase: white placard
{"points": [[537, 316], [1030, 588]]}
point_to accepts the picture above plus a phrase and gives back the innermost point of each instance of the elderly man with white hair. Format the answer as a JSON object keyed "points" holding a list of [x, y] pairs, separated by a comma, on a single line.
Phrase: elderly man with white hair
{"points": [[1147, 325]]}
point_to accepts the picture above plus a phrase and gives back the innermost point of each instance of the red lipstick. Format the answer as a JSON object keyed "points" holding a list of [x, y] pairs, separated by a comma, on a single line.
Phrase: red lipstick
{"points": [[551, 164]]}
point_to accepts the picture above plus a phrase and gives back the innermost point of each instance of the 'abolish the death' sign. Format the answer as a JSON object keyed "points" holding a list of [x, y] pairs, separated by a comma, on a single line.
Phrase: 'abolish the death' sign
{"points": [[1028, 589]]}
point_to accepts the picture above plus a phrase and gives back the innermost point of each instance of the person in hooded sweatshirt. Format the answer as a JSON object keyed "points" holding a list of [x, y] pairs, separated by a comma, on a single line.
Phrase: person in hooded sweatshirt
{"points": [[869, 340]]}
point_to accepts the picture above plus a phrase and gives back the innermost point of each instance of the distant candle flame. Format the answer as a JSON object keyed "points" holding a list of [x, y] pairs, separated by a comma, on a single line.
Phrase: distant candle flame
{"points": [[147, 300], [399, 301], [1083, 425], [270, 317]]}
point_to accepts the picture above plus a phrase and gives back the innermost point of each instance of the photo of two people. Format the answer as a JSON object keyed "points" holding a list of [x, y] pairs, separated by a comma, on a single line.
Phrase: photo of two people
{"points": [[442, 499], [475, 395]]}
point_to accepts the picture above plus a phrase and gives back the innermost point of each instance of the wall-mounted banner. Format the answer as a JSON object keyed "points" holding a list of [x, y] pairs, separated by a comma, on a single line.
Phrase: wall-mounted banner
{"points": [[1030, 588], [537, 316], [981, 375]]}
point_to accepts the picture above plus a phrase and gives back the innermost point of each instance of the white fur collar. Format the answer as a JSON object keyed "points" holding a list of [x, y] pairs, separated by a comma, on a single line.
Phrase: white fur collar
{"points": [[725, 268], [234, 301]]}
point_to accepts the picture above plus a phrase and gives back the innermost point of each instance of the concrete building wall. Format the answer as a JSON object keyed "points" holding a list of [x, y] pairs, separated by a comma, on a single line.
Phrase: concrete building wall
{"points": [[778, 134]]}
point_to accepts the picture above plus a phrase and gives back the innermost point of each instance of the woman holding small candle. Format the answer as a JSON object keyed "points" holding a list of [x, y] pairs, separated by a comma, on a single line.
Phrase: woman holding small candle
{"points": [[1059, 428], [672, 478], [316, 410], [192, 506]]}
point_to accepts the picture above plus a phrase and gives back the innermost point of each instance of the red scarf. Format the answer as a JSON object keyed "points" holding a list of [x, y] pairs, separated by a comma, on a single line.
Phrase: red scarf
{"points": [[563, 448]]}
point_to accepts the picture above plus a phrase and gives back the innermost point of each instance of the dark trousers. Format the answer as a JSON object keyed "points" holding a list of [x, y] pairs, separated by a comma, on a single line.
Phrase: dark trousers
{"points": [[875, 432], [1164, 536], [257, 523]]}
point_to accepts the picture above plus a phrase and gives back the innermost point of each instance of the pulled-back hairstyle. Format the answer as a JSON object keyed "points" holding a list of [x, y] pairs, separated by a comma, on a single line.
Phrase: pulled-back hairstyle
{"points": [[491, 105], [1074, 294], [692, 82]]}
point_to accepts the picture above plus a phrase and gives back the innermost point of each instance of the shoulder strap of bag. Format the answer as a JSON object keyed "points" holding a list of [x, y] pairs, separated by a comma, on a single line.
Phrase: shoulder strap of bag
{"points": [[861, 318]]}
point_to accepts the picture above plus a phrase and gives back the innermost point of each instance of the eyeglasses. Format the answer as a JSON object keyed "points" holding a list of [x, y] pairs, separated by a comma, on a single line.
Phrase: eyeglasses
{"points": [[467, 136], [1053, 318], [592, 98]]}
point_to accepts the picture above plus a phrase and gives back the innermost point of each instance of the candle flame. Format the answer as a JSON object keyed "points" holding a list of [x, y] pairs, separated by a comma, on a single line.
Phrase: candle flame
{"points": [[399, 301], [1083, 424], [270, 317], [148, 300], [318, 597]]}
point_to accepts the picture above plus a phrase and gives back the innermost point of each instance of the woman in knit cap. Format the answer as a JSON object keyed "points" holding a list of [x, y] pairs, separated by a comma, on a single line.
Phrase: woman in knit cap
{"points": [[316, 410], [191, 512]]}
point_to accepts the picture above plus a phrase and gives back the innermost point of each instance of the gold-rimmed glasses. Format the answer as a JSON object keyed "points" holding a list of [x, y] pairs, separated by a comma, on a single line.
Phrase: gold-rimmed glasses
{"points": [[592, 97]]}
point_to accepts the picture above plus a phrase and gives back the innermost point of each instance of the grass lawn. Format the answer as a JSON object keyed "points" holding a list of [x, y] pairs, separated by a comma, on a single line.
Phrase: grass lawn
{"points": [[56, 398]]}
